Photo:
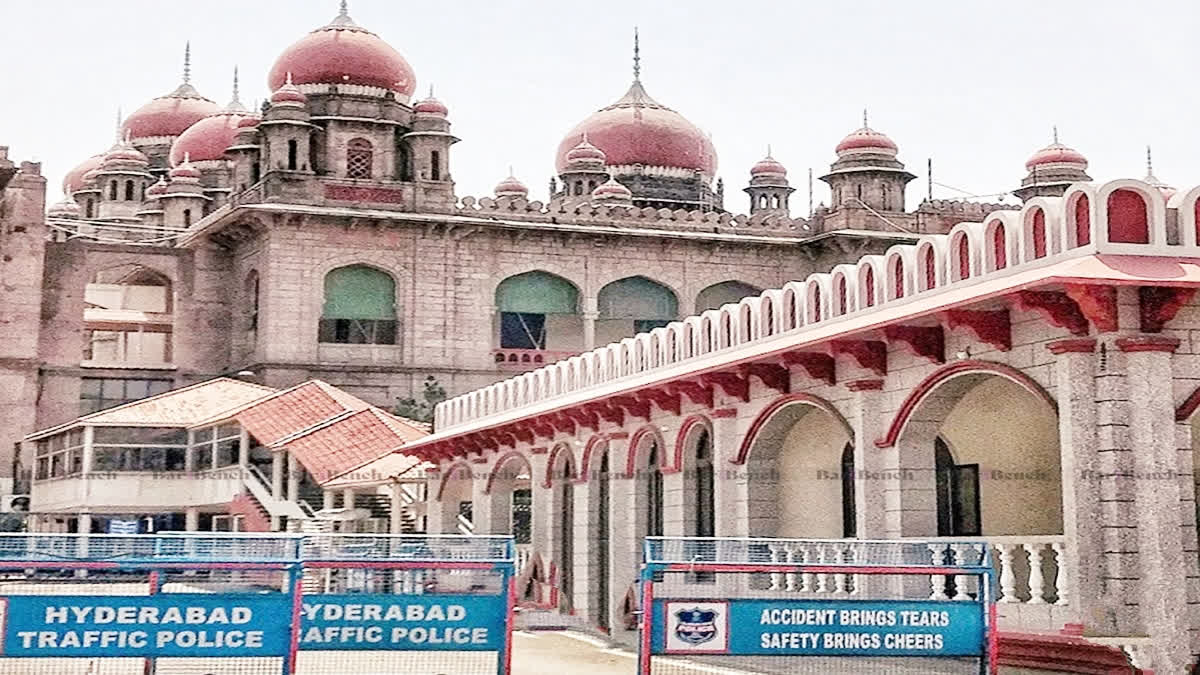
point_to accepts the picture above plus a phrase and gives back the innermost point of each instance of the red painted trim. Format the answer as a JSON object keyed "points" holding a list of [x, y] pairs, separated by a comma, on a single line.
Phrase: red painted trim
{"points": [[773, 407], [297, 608], [618, 435], [1160, 304], [539, 450], [667, 401], [990, 326], [554, 453], [734, 385], [1098, 303], [487, 489], [1072, 346], [772, 375], [636, 440], [647, 624], [399, 565], [865, 385], [818, 366], [928, 342], [1147, 343], [681, 438], [508, 623], [993, 637], [585, 459], [634, 406], [915, 570], [869, 354], [1188, 407], [723, 413], [946, 373], [696, 393], [1057, 308]]}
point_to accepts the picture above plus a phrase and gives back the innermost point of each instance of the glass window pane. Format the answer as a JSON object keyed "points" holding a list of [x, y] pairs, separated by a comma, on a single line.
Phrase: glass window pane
{"points": [[135, 389], [159, 386], [89, 387], [112, 389]]}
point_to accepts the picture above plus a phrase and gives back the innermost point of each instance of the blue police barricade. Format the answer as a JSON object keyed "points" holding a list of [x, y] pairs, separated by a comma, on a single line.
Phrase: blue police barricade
{"points": [[816, 606]]}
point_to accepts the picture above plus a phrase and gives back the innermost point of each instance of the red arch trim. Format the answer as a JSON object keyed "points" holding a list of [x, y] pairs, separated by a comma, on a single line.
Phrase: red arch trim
{"points": [[1189, 405], [681, 438], [586, 460], [487, 489], [946, 373], [765, 415], [450, 472], [635, 440], [554, 453]]}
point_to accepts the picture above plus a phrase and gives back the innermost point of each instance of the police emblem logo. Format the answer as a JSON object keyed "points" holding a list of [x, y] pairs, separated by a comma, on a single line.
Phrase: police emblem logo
{"points": [[696, 626]]}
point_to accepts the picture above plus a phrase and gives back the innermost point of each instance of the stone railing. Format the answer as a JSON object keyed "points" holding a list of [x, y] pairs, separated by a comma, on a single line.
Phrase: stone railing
{"points": [[1028, 567], [526, 359]]}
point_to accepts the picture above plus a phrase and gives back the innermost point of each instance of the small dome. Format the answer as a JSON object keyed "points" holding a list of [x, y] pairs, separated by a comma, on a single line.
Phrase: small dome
{"points": [[185, 172], [89, 178], [611, 190], [866, 139], [1056, 153], [511, 187], [73, 181], [124, 154], [288, 92], [431, 106], [248, 121], [67, 208], [584, 151], [157, 189], [343, 53], [768, 166], [207, 139]]}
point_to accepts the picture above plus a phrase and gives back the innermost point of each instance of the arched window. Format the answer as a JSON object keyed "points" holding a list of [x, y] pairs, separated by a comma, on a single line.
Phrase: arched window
{"points": [[849, 509], [898, 278], [112, 190], [1128, 219], [538, 310], [129, 190], [815, 294], [887, 197], [255, 172], [360, 307], [1083, 221], [723, 293], [841, 294], [930, 268], [999, 247], [435, 165], [633, 305], [1039, 234], [128, 320], [706, 510], [654, 493], [869, 286], [958, 513], [187, 217], [89, 210], [964, 257], [359, 158], [293, 152]]}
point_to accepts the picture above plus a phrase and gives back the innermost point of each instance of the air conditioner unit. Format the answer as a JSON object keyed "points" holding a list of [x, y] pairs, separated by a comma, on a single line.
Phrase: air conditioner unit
{"points": [[14, 503]]}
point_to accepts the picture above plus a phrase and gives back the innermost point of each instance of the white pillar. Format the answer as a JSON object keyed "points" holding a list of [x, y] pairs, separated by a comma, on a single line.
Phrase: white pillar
{"points": [[624, 548], [542, 516], [243, 447], [482, 506], [583, 574], [396, 524], [191, 519], [871, 482], [731, 482], [435, 508], [293, 478]]}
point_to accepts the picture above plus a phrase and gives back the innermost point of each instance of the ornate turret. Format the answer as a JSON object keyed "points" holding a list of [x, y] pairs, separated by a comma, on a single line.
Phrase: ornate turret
{"points": [[511, 187], [285, 131], [769, 190], [184, 201], [154, 126], [1051, 170], [583, 169], [122, 178], [867, 173], [612, 193]]}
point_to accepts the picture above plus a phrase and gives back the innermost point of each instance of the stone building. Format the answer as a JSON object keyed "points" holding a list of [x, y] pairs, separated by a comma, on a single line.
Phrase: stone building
{"points": [[321, 237]]}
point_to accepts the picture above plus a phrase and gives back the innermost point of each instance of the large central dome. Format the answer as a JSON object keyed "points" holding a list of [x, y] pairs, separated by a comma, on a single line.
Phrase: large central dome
{"points": [[639, 130], [344, 53]]}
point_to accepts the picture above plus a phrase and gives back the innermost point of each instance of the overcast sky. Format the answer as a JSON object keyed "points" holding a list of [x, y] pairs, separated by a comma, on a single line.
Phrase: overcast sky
{"points": [[976, 86]]}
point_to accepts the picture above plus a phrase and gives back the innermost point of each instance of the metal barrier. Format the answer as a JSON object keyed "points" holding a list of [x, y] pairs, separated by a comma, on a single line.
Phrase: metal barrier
{"points": [[815, 606], [254, 604]]}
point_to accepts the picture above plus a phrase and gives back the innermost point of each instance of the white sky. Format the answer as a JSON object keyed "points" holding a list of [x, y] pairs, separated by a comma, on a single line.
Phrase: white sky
{"points": [[974, 85]]}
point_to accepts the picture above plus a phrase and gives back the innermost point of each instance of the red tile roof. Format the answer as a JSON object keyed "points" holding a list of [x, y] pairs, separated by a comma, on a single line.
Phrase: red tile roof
{"points": [[347, 443], [293, 410]]}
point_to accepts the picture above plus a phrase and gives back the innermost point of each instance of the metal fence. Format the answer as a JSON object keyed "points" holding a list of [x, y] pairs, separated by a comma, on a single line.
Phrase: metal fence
{"points": [[815, 606], [240, 604]]}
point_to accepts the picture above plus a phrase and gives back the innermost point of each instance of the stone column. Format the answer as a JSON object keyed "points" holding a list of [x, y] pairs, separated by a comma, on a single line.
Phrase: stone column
{"points": [[542, 516], [590, 314], [482, 506], [871, 481], [435, 508], [674, 484], [731, 483], [243, 448], [624, 547], [583, 581], [328, 499], [1163, 564], [348, 498], [191, 519]]}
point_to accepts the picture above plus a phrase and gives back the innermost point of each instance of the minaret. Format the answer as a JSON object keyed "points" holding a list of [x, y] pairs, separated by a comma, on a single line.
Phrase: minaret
{"points": [[1052, 170], [769, 190], [122, 179], [584, 170], [286, 131], [183, 201], [867, 174]]}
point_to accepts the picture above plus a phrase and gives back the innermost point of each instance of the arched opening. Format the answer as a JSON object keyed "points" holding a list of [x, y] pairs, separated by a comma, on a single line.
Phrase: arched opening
{"points": [[1128, 218], [562, 537], [112, 190], [1039, 234], [723, 293], [129, 190], [1081, 217], [897, 277], [816, 312], [293, 150], [868, 292], [597, 522], [435, 165], [455, 497], [962, 259], [841, 294], [128, 318], [539, 311], [359, 158], [510, 490], [360, 307], [999, 247], [633, 305], [929, 264], [646, 472], [796, 462]]}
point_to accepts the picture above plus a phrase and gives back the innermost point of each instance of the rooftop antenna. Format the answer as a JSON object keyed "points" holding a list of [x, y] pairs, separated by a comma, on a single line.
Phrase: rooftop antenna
{"points": [[187, 62], [810, 193], [929, 177]]}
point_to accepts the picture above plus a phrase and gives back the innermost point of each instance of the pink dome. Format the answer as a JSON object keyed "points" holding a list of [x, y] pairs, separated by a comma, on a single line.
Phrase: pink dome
{"points": [[288, 92], [343, 53], [611, 189], [867, 138], [125, 153], [248, 121], [185, 171], [585, 152], [169, 115], [639, 130], [768, 166], [431, 106], [207, 139], [1056, 153], [73, 181], [511, 187], [157, 189]]}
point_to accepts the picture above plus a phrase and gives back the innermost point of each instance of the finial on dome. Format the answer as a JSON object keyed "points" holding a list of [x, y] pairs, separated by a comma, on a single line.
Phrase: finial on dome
{"points": [[187, 62], [289, 78], [865, 125], [430, 90], [343, 16], [1149, 162], [344, 10], [768, 150], [1055, 130], [235, 104], [637, 57]]}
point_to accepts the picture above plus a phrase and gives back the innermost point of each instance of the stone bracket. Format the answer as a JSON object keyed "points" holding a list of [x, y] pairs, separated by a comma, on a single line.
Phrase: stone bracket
{"points": [[1056, 307], [990, 326], [772, 375], [925, 341], [869, 354], [1098, 303], [732, 384], [1159, 304], [818, 366]]}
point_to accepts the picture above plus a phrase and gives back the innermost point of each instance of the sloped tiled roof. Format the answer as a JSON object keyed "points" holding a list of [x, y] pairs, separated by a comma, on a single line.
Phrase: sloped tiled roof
{"points": [[348, 443], [293, 410], [182, 407]]}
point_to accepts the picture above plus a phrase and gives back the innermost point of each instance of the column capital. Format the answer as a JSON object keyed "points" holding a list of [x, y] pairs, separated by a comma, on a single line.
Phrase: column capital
{"points": [[865, 385], [1072, 346], [1148, 343]]}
